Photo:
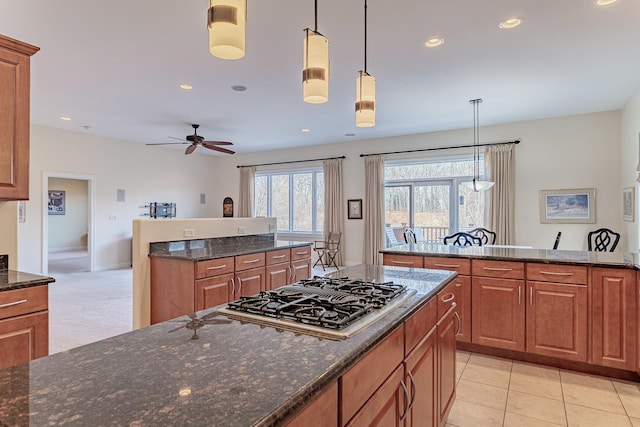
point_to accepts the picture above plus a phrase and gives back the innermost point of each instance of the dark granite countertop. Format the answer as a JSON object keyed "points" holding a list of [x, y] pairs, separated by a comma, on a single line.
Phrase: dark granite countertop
{"points": [[201, 250], [11, 279], [603, 259], [234, 374]]}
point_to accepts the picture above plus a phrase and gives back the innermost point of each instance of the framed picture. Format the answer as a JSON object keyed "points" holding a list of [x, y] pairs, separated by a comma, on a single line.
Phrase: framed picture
{"points": [[354, 209], [628, 203], [56, 202], [568, 206]]}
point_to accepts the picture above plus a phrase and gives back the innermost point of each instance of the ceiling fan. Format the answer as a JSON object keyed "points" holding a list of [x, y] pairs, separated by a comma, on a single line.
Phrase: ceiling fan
{"points": [[196, 141]]}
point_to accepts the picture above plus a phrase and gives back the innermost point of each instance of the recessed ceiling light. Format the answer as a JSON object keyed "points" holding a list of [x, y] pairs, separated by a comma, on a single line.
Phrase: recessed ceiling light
{"points": [[186, 86], [605, 2], [305, 130], [511, 23], [434, 42], [239, 88], [349, 134], [65, 118]]}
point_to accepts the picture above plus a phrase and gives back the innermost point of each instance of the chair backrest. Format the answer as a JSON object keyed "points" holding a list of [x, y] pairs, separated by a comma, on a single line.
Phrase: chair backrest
{"points": [[462, 239], [602, 240], [333, 242], [488, 237], [557, 242], [391, 236], [409, 236]]}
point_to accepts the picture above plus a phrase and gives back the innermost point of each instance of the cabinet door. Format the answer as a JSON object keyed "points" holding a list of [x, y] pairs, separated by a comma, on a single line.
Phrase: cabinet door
{"points": [[421, 379], [300, 270], [615, 327], [463, 299], [321, 412], [497, 313], [557, 320], [446, 329], [387, 405], [277, 275], [213, 291], [249, 282], [24, 338], [171, 288]]}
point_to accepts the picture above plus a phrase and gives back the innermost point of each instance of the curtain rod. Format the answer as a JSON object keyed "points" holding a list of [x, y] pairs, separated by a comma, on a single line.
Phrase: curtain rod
{"points": [[292, 161], [442, 148]]}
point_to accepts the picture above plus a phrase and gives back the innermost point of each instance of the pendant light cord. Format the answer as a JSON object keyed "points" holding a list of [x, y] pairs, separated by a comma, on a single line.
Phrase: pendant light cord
{"points": [[476, 138], [365, 36], [315, 14]]}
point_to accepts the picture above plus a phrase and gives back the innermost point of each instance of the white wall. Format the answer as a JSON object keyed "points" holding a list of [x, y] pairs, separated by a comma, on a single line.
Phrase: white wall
{"points": [[146, 173], [568, 152], [629, 161], [69, 231]]}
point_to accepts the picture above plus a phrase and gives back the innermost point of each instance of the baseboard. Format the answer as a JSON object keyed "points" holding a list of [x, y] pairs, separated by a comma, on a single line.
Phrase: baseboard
{"points": [[119, 266], [68, 249]]}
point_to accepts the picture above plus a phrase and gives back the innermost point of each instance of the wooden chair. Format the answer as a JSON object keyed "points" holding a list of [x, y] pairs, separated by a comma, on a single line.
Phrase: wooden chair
{"points": [[602, 240], [462, 239], [409, 236], [327, 250], [488, 237]]}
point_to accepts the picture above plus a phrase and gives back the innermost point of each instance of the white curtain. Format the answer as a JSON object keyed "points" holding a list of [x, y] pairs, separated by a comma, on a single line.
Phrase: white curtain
{"points": [[500, 168], [333, 202], [373, 210], [247, 185]]}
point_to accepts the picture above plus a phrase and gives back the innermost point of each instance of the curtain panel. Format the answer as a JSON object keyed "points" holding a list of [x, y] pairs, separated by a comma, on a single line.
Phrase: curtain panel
{"points": [[247, 187], [500, 168], [373, 210], [333, 203]]}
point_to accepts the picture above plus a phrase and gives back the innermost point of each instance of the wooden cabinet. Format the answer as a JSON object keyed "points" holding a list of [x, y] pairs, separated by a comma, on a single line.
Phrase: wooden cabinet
{"points": [[614, 318], [14, 116], [402, 260], [24, 325], [422, 373], [249, 282], [300, 269], [321, 412], [214, 291], [447, 327], [291, 267]]}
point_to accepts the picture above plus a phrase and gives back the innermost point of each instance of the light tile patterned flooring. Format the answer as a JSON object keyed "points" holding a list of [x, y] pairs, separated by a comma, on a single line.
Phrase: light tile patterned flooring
{"points": [[500, 392]]}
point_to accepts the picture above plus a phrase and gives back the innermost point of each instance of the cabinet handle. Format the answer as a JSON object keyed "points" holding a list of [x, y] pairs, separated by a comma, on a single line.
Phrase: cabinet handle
{"points": [[278, 256], [531, 296], [448, 298], [302, 253], [413, 392], [251, 261], [233, 287], [290, 273], [455, 313], [402, 262], [406, 400], [447, 265], [553, 273], [497, 269], [9, 304], [239, 287], [519, 294], [458, 284], [217, 267]]}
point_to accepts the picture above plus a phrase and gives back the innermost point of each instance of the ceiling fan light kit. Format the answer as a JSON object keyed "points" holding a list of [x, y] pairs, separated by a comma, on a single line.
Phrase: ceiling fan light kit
{"points": [[476, 184], [365, 89], [315, 65], [227, 21]]}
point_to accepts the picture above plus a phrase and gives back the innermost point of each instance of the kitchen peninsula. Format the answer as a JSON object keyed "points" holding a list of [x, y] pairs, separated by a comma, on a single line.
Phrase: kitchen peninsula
{"points": [[243, 374], [571, 309]]}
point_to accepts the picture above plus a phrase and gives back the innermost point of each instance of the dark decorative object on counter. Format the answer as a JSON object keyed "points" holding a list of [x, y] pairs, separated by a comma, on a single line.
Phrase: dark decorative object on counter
{"points": [[227, 207], [161, 210]]}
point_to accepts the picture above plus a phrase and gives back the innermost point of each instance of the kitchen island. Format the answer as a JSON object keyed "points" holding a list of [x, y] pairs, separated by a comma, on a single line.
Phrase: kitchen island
{"points": [[571, 309], [238, 374]]}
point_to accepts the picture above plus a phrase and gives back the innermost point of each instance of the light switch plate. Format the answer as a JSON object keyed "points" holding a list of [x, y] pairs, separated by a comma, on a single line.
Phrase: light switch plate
{"points": [[189, 232]]}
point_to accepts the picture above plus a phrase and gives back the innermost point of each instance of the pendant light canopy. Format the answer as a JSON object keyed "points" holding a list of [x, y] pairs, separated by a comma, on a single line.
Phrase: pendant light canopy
{"points": [[476, 184], [315, 65], [365, 89], [227, 23]]}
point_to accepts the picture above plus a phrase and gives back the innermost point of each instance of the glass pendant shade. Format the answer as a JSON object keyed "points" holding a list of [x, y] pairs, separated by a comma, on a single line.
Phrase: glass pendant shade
{"points": [[365, 100], [227, 22], [315, 71], [477, 185]]}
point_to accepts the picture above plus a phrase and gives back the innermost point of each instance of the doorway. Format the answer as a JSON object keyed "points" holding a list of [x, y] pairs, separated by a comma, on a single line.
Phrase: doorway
{"points": [[68, 222]]}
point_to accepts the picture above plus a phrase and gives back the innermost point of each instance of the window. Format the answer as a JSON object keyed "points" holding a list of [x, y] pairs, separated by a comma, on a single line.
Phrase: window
{"points": [[295, 198], [427, 196]]}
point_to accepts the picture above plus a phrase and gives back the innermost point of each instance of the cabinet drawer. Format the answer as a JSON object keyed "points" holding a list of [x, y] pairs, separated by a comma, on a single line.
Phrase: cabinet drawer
{"points": [[502, 269], [23, 301], [572, 274], [245, 262], [276, 257], [300, 253], [402, 260], [214, 267], [460, 265], [419, 324]]}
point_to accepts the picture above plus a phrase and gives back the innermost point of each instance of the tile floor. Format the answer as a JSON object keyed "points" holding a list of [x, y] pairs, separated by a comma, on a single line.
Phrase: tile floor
{"points": [[500, 392]]}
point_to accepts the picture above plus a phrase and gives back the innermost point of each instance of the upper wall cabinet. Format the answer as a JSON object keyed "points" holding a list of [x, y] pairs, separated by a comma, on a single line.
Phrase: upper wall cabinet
{"points": [[14, 118]]}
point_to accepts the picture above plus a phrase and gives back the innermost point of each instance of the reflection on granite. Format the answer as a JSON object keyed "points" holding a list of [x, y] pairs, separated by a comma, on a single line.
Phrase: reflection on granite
{"points": [[14, 395], [4, 262], [11, 279], [219, 247], [234, 374], [605, 259]]}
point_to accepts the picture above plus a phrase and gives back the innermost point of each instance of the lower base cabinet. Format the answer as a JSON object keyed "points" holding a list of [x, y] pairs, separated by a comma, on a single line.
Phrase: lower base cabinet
{"points": [[322, 412], [214, 291], [422, 372], [447, 328]]}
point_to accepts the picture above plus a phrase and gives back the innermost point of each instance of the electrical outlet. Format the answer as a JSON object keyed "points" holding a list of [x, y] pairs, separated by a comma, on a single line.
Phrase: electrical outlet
{"points": [[112, 218], [242, 230], [189, 232]]}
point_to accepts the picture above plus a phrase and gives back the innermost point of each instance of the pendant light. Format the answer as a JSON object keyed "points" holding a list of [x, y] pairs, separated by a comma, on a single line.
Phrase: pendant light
{"points": [[365, 89], [315, 65], [227, 21], [476, 184]]}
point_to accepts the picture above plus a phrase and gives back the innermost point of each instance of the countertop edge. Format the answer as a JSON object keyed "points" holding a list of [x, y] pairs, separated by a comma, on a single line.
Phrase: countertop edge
{"points": [[228, 254]]}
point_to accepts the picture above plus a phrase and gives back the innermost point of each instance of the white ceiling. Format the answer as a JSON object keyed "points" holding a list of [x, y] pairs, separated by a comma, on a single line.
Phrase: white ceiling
{"points": [[116, 65]]}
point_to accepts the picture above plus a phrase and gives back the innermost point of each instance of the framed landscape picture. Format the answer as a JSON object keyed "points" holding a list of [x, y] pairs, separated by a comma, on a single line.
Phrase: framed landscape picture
{"points": [[56, 202], [576, 206], [628, 204]]}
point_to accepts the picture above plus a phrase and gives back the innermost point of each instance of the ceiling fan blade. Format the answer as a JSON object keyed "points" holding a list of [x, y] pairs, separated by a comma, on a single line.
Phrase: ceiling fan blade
{"points": [[218, 142], [168, 143], [173, 137], [190, 149], [220, 149]]}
